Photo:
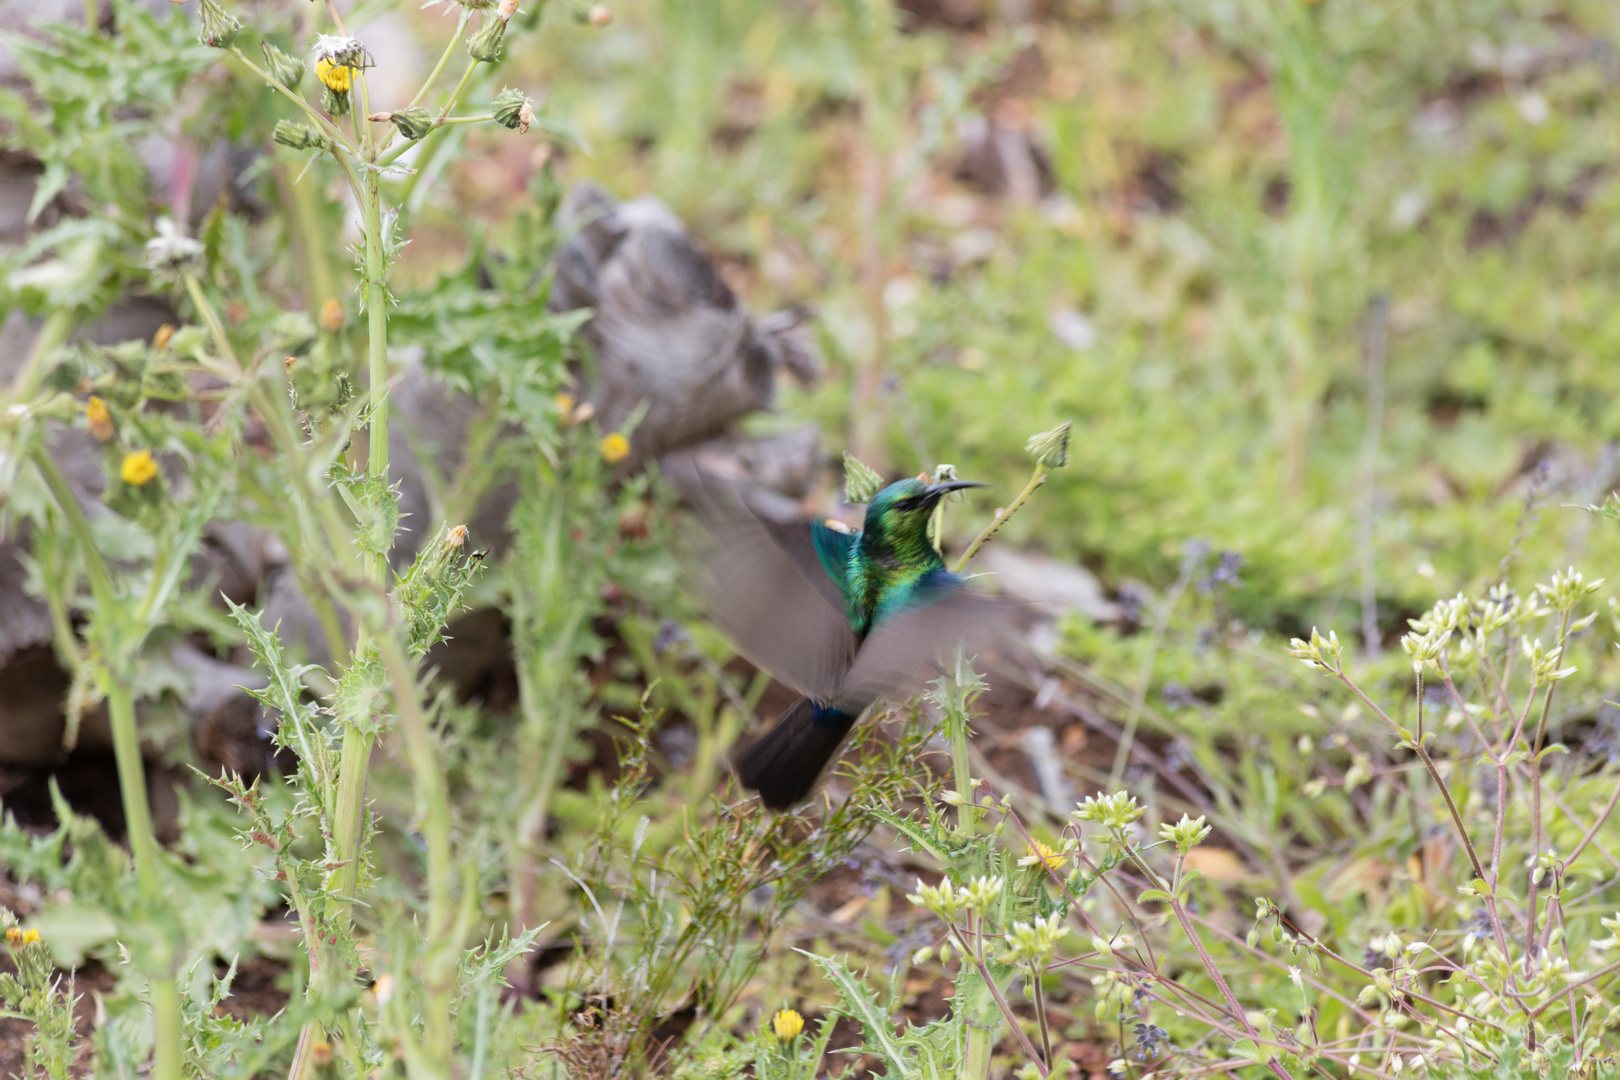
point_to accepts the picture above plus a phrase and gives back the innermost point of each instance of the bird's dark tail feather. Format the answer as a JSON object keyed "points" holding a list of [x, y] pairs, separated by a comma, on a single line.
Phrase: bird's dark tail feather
{"points": [[782, 764]]}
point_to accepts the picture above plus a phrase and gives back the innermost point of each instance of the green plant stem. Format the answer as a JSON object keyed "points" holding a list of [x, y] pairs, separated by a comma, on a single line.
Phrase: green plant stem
{"points": [[376, 301], [1040, 1015], [1035, 481], [355, 762], [51, 335], [127, 755], [1536, 835], [439, 121], [976, 956], [976, 1053], [329, 129], [309, 240], [967, 814], [444, 57], [1434, 773], [444, 949], [167, 1029], [1191, 932], [455, 95]]}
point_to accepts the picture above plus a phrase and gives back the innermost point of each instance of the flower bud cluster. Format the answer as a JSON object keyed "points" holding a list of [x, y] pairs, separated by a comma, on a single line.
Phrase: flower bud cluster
{"points": [[947, 900], [1543, 663], [1566, 589], [1116, 811], [1033, 943], [1321, 653], [1186, 834]]}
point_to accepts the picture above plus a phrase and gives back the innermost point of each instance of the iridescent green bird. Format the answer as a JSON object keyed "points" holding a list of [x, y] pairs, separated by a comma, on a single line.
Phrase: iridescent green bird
{"points": [[844, 618]]}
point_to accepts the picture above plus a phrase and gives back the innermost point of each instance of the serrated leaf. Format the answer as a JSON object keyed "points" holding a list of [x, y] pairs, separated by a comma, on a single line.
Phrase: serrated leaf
{"points": [[375, 506], [858, 1002], [359, 690], [286, 688], [921, 838]]}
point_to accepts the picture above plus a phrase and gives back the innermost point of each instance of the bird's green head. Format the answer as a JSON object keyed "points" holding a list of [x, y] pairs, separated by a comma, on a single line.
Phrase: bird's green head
{"points": [[897, 516]]}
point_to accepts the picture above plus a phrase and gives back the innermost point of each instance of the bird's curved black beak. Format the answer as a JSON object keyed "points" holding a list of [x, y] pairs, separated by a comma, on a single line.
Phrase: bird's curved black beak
{"points": [[935, 492]]}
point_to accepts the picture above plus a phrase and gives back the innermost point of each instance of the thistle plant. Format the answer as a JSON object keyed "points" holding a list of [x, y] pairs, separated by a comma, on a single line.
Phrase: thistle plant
{"points": [[169, 473]]}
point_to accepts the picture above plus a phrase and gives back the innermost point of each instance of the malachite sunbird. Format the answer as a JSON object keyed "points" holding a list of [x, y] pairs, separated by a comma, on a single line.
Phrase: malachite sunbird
{"points": [[843, 618]]}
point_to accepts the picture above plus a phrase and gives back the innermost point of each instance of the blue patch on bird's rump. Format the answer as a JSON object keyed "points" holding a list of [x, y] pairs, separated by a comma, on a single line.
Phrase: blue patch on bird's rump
{"points": [[827, 716]]}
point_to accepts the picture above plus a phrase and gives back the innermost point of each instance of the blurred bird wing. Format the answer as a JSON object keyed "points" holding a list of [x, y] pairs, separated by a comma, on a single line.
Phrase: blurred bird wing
{"points": [[914, 645], [774, 595]]}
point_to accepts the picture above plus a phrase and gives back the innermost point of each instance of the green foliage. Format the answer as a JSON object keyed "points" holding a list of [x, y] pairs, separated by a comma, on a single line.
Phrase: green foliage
{"points": [[1427, 836]]}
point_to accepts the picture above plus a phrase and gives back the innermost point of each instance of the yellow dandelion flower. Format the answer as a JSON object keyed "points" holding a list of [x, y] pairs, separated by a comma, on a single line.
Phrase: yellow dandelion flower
{"points": [[1040, 853], [335, 77], [101, 425], [787, 1024], [615, 448], [564, 402], [30, 936], [14, 937], [138, 468]]}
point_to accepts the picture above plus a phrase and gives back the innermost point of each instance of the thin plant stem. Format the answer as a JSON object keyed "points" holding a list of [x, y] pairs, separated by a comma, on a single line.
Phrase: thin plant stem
{"points": [[49, 338], [433, 76], [443, 948], [127, 755], [1536, 834], [1428, 763], [1035, 481], [1040, 1014], [975, 954], [329, 129], [1191, 933]]}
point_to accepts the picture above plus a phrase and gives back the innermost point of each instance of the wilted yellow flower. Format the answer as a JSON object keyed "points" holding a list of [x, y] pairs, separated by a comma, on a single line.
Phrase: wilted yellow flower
{"points": [[101, 425], [321, 1052], [457, 536], [138, 468], [332, 314], [787, 1024], [14, 937], [615, 448], [30, 936], [160, 340], [1040, 853], [335, 77]]}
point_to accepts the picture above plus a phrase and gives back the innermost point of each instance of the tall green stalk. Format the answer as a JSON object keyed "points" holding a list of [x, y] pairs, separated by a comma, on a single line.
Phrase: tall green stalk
{"points": [[131, 769]]}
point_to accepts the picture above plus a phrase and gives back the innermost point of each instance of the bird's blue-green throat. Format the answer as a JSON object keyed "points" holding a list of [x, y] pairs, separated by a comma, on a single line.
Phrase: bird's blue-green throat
{"points": [[844, 617]]}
